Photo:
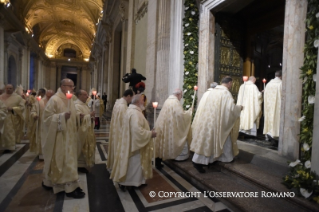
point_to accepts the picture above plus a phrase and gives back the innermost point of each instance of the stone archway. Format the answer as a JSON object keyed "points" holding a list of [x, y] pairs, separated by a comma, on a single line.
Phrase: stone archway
{"points": [[12, 71]]}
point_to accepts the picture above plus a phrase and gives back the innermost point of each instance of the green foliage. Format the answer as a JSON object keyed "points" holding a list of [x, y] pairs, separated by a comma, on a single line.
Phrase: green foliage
{"points": [[190, 37], [299, 176]]}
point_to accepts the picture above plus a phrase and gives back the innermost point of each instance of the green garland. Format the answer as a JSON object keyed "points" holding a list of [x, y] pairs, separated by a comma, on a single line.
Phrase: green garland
{"points": [[300, 175], [190, 37]]}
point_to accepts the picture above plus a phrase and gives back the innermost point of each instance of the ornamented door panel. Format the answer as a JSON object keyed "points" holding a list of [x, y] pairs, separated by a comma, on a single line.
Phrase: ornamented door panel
{"points": [[229, 51]]}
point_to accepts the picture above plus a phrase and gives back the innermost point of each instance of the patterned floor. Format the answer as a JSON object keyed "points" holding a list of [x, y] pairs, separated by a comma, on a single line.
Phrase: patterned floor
{"points": [[21, 175]]}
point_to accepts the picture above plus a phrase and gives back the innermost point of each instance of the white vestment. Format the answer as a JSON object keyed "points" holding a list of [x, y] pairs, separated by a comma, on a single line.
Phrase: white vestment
{"points": [[133, 159], [249, 97], [272, 107], [172, 128], [118, 113], [215, 127]]}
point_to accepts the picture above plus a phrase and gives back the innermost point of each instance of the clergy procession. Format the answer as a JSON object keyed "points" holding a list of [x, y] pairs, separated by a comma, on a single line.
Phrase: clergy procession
{"points": [[61, 125]]}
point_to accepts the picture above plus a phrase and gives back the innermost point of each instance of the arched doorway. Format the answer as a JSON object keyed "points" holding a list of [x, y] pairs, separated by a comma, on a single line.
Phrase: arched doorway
{"points": [[12, 71]]}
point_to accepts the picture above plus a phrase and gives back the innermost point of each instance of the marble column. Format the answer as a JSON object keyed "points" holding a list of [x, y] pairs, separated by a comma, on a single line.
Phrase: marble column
{"points": [[78, 78], [2, 61], [105, 65], [53, 77], [176, 57], [130, 36], [151, 52], [123, 54], [293, 57], [163, 51], [315, 138]]}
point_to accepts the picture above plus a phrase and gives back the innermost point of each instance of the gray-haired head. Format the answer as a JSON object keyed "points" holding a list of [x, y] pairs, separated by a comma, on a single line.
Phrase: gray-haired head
{"points": [[178, 93], [252, 79], [213, 85], [136, 99]]}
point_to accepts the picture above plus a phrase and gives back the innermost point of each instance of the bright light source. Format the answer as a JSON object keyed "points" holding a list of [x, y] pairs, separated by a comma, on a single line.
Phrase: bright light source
{"points": [[268, 66], [8, 5], [32, 35], [86, 59], [280, 64], [102, 11], [69, 59]]}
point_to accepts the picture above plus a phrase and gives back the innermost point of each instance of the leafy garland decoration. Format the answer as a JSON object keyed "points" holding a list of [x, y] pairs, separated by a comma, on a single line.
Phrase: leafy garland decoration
{"points": [[300, 177], [190, 38]]}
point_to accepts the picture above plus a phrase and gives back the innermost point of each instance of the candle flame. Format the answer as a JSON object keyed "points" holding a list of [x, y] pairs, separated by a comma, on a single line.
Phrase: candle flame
{"points": [[155, 104], [195, 88], [264, 80], [245, 78]]}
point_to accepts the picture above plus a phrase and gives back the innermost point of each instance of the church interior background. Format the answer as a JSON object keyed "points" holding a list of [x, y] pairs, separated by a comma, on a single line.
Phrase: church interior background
{"points": [[96, 42]]}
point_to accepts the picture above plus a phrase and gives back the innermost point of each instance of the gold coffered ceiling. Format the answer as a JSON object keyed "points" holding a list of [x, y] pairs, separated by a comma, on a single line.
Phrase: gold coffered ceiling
{"points": [[56, 23]]}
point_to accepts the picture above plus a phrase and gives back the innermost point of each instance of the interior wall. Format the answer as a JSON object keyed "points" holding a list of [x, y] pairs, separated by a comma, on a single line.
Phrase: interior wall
{"points": [[140, 45]]}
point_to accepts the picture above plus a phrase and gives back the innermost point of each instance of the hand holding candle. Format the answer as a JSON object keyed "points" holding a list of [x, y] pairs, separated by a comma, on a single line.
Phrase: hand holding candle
{"points": [[69, 96]]}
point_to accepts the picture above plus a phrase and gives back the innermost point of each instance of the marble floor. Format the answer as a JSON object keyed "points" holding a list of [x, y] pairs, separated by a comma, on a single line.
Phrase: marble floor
{"points": [[21, 190]]}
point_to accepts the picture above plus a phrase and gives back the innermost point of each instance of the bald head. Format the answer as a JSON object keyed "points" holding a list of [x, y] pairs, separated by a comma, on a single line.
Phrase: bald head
{"points": [[178, 93], [49, 94], [67, 85], [252, 79], [9, 89]]}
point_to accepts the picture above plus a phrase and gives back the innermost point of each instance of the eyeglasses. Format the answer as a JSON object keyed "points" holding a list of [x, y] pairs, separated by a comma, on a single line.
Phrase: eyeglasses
{"points": [[70, 86]]}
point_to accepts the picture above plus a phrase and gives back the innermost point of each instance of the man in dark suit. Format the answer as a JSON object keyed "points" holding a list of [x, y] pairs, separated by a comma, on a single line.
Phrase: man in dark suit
{"points": [[104, 98], [133, 79]]}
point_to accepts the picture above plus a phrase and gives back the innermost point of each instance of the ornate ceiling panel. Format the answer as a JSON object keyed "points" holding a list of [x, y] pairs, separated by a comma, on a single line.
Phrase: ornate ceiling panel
{"points": [[62, 22]]}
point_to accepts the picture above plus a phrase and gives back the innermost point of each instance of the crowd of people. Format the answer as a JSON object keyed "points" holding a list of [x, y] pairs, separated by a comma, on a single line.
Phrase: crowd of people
{"points": [[61, 129]]}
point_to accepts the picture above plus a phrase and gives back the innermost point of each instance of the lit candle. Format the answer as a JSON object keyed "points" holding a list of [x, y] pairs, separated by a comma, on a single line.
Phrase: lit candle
{"points": [[94, 93], [195, 89], [69, 96], [29, 91], [245, 78], [155, 104], [264, 81]]}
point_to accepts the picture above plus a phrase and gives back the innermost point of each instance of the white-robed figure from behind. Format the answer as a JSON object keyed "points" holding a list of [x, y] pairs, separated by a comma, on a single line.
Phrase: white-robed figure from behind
{"points": [[272, 106], [116, 124], [249, 97], [172, 127], [215, 127], [133, 160]]}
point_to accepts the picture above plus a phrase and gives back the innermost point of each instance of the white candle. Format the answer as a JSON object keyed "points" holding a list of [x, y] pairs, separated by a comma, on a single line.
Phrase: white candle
{"points": [[245, 78], [94, 93], [195, 89], [38, 114], [155, 104]]}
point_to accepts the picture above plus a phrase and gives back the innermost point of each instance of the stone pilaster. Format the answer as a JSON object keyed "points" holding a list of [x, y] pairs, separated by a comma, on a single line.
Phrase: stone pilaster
{"points": [[176, 46], [163, 48], [293, 57], [151, 53]]}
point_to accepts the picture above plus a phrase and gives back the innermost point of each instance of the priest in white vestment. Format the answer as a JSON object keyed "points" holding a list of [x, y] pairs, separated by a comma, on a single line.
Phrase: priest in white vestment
{"points": [[215, 127], [133, 159], [14, 121], [172, 127], [86, 144], [60, 143], [116, 124], [272, 106], [250, 98], [35, 124]]}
